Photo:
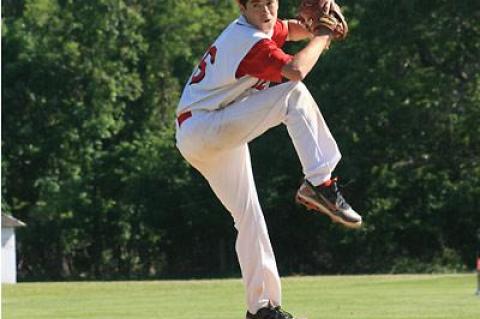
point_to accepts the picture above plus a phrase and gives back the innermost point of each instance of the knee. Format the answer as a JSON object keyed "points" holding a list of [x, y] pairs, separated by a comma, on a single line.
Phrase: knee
{"points": [[297, 88], [300, 92], [300, 87], [299, 98]]}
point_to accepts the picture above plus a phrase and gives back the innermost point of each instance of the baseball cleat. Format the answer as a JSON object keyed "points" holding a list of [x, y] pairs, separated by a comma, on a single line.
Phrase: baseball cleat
{"points": [[329, 201], [270, 312]]}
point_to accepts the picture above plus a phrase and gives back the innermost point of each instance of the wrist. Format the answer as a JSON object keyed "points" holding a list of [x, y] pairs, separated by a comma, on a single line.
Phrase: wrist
{"points": [[322, 40], [322, 31], [324, 37]]}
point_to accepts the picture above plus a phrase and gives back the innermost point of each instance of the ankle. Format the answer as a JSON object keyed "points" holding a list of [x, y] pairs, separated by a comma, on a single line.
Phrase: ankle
{"points": [[328, 183]]}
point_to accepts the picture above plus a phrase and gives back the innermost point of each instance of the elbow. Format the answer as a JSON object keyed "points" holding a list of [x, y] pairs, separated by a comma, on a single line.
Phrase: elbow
{"points": [[294, 73], [299, 76]]}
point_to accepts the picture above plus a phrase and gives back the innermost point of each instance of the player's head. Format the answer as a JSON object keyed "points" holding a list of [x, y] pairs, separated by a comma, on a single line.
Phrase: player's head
{"points": [[260, 13]]}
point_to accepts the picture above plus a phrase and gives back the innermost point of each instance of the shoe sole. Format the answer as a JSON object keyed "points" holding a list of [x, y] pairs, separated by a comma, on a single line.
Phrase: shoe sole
{"points": [[310, 205], [293, 318]]}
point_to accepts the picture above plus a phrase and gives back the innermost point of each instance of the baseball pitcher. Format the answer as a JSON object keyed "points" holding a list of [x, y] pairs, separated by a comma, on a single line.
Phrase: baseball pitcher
{"points": [[227, 102]]}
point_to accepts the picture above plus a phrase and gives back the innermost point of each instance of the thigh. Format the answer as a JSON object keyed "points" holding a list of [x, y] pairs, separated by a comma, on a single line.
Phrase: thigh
{"points": [[248, 118]]}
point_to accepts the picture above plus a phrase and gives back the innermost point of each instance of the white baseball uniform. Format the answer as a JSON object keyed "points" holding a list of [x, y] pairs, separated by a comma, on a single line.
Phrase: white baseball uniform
{"points": [[226, 114]]}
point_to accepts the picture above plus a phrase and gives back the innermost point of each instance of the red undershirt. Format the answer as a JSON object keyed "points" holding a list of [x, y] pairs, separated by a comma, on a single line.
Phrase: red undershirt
{"points": [[266, 59]]}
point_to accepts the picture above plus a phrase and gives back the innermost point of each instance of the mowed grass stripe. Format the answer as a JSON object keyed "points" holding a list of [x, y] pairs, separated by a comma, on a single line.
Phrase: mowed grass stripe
{"points": [[322, 297]]}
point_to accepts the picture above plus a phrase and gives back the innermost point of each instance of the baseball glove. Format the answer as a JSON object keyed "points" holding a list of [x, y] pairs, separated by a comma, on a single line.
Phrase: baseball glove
{"points": [[317, 20]]}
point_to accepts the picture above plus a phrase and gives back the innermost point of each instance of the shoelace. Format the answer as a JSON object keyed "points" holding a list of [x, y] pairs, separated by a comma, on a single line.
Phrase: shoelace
{"points": [[284, 313], [273, 313], [341, 202]]}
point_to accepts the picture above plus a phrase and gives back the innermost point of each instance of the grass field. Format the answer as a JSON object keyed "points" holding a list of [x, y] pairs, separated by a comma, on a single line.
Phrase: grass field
{"points": [[329, 297]]}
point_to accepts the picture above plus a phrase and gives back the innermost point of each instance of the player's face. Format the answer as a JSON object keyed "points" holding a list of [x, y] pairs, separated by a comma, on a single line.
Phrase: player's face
{"points": [[261, 13]]}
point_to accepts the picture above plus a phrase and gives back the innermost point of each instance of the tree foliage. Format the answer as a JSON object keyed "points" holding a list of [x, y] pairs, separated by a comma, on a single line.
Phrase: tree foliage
{"points": [[89, 91]]}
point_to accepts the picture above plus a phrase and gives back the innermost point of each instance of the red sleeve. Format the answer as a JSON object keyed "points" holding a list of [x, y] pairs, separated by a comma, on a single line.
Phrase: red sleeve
{"points": [[280, 33], [266, 59]]}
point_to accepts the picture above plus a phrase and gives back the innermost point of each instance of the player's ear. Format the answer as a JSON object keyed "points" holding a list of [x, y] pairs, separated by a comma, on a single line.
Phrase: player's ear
{"points": [[241, 6]]}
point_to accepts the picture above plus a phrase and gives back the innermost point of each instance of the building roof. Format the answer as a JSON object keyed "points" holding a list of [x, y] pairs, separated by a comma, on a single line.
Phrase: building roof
{"points": [[10, 221]]}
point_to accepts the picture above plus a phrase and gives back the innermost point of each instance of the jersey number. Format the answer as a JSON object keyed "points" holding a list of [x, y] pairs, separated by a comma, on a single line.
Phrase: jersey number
{"points": [[203, 65]]}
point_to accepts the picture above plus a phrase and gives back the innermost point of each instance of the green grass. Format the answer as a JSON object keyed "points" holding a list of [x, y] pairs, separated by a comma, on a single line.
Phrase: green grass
{"points": [[330, 297]]}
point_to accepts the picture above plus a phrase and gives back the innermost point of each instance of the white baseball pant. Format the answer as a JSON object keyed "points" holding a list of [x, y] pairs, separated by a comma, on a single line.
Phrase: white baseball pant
{"points": [[216, 144]]}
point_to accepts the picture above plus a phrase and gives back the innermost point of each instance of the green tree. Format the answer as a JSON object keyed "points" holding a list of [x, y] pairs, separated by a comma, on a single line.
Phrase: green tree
{"points": [[402, 100], [89, 162], [72, 72]]}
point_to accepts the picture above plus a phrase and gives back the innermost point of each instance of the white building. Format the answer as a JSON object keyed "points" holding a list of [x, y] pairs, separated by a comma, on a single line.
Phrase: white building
{"points": [[9, 256]]}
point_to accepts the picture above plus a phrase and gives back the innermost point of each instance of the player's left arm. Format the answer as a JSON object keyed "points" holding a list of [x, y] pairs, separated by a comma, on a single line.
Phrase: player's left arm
{"points": [[296, 31]]}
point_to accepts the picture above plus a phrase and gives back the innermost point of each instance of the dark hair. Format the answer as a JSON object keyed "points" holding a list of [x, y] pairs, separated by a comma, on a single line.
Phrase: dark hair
{"points": [[243, 2]]}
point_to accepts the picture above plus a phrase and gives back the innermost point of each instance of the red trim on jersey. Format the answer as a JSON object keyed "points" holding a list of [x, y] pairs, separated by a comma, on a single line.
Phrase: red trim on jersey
{"points": [[266, 59], [280, 33], [183, 117]]}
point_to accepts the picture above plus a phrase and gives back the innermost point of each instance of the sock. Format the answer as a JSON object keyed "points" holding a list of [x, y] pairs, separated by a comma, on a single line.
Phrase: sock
{"points": [[327, 183]]}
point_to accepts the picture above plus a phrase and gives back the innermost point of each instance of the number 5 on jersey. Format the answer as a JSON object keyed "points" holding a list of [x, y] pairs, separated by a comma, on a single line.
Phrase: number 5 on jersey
{"points": [[202, 67]]}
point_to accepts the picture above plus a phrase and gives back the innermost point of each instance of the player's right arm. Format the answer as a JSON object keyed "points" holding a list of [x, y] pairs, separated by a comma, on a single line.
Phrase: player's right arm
{"points": [[304, 61]]}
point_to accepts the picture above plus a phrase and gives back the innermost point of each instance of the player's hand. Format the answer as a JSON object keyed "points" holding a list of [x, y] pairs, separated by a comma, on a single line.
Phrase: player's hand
{"points": [[311, 14]]}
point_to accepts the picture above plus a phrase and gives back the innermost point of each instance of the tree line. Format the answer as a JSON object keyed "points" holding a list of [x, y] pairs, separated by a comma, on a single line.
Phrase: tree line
{"points": [[89, 91]]}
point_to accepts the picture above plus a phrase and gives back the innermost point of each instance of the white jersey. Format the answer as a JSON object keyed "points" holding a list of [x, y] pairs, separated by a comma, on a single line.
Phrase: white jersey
{"points": [[213, 84]]}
